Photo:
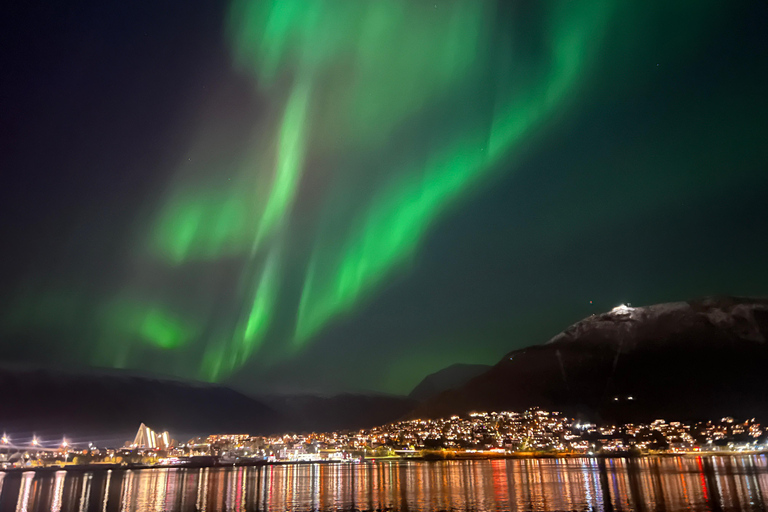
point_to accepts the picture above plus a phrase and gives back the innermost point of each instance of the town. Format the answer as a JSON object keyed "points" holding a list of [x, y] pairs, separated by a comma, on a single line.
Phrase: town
{"points": [[534, 432]]}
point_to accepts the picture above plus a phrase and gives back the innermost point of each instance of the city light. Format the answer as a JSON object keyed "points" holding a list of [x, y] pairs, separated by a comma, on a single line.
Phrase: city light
{"points": [[493, 434]]}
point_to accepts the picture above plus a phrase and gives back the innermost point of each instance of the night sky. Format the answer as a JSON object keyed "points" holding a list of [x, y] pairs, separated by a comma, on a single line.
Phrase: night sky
{"points": [[349, 195]]}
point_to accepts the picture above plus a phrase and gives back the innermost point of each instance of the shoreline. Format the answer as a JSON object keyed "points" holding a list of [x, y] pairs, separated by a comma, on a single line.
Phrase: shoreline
{"points": [[82, 468]]}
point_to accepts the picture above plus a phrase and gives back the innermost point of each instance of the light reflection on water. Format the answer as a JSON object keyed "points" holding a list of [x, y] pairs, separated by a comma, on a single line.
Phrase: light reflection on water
{"points": [[644, 484]]}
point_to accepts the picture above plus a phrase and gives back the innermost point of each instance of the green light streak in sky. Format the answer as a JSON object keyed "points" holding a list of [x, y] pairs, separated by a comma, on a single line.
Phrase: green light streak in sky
{"points": [[209, 224], [373, 64], [201, 226], [398, 217], [229, 354], [163, 331], [260, 313], [289, 160], [153, 325]]}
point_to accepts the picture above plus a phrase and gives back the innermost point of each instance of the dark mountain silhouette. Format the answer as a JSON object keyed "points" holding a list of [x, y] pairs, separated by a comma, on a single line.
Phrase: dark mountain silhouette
{"points": [[685, 360], [451, 377], [108, 405], [347, 411], [96, 404]]}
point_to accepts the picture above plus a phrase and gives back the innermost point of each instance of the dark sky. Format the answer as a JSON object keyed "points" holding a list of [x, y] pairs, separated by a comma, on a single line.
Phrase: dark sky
{"points": [[349, 195]]}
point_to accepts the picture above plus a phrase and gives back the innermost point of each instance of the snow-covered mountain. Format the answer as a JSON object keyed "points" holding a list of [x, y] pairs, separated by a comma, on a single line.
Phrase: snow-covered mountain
{"points": [[686, 360]]}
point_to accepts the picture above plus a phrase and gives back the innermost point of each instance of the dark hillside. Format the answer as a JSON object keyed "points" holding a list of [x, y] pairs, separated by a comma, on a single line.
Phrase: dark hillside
{"points": [[684, 360]]}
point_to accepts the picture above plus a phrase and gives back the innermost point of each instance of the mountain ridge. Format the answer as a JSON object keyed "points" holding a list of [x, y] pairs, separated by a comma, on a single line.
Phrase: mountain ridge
{"points": [[682, 359], [54, 403], [449, 377]]}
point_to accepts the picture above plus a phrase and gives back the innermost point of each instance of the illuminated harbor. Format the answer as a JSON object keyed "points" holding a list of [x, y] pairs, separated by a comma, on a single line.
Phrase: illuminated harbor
{"points": [[532, 433]]}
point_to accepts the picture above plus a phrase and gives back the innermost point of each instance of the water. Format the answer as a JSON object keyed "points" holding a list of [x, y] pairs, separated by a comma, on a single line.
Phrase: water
{"points": [[652, 484]]}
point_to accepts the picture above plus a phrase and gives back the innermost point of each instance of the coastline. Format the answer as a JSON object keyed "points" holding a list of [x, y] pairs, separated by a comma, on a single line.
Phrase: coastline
{"points": [[82, 468]]}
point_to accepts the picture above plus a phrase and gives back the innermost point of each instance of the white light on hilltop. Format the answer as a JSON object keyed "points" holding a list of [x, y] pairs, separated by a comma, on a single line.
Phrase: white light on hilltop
{"points": [[622, 309]]}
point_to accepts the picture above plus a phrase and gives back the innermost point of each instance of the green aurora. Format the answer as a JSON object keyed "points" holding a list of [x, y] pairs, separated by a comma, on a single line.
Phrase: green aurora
{"points": [[365, 49], [379, 121]]}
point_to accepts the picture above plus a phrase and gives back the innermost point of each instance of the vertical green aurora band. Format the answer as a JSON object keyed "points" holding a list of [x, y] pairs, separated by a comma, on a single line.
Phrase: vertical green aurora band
{"points": [[230, 353]]}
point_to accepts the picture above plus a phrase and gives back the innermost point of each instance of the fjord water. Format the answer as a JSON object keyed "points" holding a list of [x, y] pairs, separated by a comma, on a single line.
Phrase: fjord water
{"points": [[653, 483]]}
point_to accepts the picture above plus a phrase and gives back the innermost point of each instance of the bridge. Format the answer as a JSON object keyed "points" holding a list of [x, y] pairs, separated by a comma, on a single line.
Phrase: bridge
{"points": [[9, 448]]}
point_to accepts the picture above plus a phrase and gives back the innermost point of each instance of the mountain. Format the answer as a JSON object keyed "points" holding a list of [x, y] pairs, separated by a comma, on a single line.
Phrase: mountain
{"points": [[347, 411], [109, 405], [92, 404], [451, 377], [684, 360]]}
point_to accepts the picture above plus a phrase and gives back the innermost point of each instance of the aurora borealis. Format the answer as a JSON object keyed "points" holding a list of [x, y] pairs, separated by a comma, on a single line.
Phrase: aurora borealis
{"points": [[349, 194]]}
